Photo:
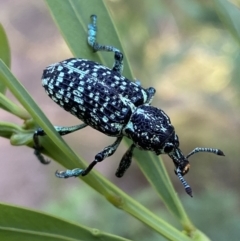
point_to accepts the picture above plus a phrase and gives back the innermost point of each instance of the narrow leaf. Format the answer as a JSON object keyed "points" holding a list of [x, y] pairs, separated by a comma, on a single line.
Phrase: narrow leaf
{"points": [[230, 16], [4, 53], [72, 18], [11, 107], [23, 224]]}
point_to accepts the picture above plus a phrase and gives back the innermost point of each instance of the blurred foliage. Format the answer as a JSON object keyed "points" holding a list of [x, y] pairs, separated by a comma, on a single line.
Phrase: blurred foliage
{"points": [[189, 51], [219, 222], [81, 203]]}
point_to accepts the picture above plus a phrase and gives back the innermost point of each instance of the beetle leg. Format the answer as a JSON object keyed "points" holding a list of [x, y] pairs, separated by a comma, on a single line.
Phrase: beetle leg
{"points": [[151, 92], [125, 161], [40, 132], [106, 152], [92, 33], [138, 82]]}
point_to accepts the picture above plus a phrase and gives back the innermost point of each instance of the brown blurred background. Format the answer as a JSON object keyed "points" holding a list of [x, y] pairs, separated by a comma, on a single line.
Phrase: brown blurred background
{"points": [[184, 51]]}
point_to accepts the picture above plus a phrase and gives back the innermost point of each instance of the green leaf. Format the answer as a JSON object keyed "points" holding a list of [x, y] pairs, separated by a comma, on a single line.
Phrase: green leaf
{"points": [[23, 224], [11, 107], [236, 73], [230, 16], [72, 18], [16, 134], [4, 53]]}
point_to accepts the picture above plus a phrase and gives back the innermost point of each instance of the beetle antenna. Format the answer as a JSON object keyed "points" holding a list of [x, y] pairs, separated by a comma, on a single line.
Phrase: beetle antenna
{"points": [[188, 189], [205, 149]]}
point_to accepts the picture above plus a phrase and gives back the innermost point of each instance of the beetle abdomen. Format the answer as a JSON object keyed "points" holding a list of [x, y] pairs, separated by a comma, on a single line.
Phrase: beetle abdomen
{"points": [[86, 96], [114, 80]]}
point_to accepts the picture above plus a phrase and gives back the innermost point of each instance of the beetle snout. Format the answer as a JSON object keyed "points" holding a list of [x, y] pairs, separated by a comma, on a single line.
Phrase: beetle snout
{"points": [[184, 170]]}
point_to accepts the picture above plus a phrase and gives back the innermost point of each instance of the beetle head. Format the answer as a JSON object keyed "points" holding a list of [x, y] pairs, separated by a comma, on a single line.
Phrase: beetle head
{"points": [[150, 129], [171, 147]]}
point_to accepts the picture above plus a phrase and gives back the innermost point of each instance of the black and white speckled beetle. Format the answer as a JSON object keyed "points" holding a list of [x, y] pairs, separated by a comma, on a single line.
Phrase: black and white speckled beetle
{"points": [[110, 103]]}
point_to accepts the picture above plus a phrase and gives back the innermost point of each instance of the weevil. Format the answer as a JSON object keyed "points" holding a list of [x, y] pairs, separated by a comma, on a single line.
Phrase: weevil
{"points": [[107, 101]]}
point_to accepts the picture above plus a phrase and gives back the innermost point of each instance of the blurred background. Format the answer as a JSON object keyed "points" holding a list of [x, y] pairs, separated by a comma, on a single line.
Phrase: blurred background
{"points": [[181, 48]]}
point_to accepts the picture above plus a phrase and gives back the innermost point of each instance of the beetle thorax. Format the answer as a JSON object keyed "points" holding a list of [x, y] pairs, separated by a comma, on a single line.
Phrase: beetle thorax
{"points": [[149, 128]]}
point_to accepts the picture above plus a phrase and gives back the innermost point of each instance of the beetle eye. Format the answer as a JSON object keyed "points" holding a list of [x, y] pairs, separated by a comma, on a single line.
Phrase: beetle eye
{"points": [[168, 148]]}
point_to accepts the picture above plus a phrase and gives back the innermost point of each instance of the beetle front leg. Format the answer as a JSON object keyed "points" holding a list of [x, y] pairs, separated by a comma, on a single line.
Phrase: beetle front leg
{"points": [[106, 152], [118, 56], [151, 92], [125, 161], [40, 132]]}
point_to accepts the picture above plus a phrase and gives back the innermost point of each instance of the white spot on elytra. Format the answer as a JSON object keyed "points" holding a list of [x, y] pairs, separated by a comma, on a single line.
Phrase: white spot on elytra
{"points": [[58, 96], [78, 100], [74, 109], [81, 89], [77, 93], [105, 119]]}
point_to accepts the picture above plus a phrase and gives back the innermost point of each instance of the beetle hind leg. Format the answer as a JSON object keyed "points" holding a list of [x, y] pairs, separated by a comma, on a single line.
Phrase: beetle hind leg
{"points": [[106, 152], [62, 130], [92, 34]]}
